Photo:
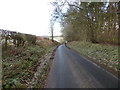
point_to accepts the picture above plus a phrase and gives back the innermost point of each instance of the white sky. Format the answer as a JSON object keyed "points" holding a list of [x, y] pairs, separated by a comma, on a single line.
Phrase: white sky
{"points": [[26, 16]]}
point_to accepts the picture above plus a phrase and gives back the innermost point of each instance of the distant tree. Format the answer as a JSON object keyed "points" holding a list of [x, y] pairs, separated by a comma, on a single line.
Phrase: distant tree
{"points": [[20, 38], [6, 36], [31, 39], [52, 30], [13, 36]]}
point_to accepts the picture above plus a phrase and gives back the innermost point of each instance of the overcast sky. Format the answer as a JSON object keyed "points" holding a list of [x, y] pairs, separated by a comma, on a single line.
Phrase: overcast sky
{"points": [[26, 16]]}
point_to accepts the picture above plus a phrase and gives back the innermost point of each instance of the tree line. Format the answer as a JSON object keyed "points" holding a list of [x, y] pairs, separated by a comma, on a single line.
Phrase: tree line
{"points": [[18, 39], [96, 22]]}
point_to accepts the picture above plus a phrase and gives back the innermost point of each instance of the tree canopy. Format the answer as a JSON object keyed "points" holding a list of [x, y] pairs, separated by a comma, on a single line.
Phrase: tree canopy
{"points": [[96, 22]]}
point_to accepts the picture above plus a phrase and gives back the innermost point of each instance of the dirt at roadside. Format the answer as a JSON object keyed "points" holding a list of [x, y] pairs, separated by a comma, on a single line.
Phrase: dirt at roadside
{"points": [[42, 70]]}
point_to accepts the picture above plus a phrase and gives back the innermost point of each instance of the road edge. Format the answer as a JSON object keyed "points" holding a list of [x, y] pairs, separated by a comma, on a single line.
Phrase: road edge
{"points": [[95, 63]]}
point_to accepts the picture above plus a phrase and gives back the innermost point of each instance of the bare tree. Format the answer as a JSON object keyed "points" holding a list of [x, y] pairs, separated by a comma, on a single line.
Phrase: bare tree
{"points": [[52, 30]]}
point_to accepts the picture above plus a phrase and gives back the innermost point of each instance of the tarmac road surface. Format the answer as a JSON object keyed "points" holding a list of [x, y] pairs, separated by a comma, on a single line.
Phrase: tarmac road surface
{"points": [[70, 70]]}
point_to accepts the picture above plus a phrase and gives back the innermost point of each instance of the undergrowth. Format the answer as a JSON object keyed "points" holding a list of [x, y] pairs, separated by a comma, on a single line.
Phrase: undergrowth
{"points": [[19, 65]]}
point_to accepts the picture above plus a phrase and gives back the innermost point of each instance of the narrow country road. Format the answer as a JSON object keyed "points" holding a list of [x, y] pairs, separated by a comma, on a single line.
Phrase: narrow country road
{"points": [[70, 70]]}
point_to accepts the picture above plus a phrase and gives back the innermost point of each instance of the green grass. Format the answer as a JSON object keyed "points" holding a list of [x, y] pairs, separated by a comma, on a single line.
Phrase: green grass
{"points": [[101, 53], [19, 65], [42, 76]]}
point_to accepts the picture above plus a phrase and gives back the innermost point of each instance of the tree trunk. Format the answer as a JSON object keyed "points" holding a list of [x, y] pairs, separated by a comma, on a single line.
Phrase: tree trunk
{"points": [[6, 42], [119, 22], [52, 35]]}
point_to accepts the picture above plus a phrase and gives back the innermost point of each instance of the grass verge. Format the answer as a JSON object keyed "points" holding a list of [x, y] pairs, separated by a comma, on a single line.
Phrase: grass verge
{"points": [[104, 55], [40, 77], [19, 65]]}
